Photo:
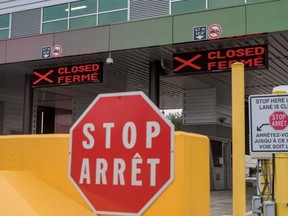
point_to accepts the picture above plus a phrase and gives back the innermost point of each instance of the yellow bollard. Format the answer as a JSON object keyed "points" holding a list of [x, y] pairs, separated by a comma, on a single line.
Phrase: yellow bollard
{"points": [[281, 172], [238, 140]]}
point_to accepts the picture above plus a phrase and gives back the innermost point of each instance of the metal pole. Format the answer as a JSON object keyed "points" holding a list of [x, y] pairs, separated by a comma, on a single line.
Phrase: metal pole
{"points": [[154, 81], [238, 140], [28, 105]]}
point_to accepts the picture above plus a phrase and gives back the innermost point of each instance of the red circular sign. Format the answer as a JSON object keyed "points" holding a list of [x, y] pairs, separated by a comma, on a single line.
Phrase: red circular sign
{"points": [[56, 51], [121, 154], [278, 120], [214, 31]]}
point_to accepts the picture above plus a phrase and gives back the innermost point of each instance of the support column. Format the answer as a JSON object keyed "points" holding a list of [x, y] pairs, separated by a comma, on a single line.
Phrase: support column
{"points": [[238, 139], [28, 105], [154, 82]]}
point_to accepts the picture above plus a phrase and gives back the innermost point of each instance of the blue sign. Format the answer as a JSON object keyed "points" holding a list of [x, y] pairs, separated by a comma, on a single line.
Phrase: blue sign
{"points": [[46, 52], [199, 33]]}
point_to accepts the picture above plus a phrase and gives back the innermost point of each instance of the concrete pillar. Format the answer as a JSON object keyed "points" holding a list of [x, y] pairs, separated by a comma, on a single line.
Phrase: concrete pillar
{"points": [[154, 82], [28, 105]]}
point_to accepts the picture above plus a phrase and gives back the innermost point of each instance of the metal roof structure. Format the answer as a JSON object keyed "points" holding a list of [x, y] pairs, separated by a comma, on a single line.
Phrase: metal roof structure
{"points": [[130, 71]]}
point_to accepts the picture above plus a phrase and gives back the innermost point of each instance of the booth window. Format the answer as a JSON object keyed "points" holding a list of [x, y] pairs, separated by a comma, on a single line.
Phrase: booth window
{"points": [[217, 155], [4, 26], [83, 14]]}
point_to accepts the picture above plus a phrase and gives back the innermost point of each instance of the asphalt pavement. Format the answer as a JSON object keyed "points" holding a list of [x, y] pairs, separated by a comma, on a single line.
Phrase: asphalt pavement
{"points": [[221, 202]]}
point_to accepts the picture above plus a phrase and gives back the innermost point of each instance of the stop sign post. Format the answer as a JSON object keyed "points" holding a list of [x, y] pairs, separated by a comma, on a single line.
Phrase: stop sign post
{"points": [[121, 154]]}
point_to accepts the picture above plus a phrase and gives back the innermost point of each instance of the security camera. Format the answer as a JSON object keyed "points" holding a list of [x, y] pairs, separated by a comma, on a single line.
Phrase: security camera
{"points": [[109, 61]]}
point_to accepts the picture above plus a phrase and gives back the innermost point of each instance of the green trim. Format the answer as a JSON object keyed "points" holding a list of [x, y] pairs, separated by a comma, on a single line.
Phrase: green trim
{"points": [[232, 21], [267, 17], [150, 32]]}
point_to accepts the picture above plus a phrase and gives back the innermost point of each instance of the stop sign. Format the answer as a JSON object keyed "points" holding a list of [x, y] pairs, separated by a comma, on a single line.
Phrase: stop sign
{"points": [[121, 154], [278, 120]]}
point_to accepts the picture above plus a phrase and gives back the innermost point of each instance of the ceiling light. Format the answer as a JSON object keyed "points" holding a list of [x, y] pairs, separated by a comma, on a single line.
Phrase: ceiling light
{"points": [[77, 8]]}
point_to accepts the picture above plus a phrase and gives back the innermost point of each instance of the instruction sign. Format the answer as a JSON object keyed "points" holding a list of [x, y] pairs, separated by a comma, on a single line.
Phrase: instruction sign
{"points": [[268, 121], [214, 61], [68, 75], [200, 33]]}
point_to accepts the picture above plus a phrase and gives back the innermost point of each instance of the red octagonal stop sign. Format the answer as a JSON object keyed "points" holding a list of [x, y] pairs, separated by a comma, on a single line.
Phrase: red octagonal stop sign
{"points": [[278, 120], [121, 154]]}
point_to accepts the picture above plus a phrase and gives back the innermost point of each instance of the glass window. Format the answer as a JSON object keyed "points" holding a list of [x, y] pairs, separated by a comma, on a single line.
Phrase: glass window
{"points": [[83, 7], [4, 34], [217, 155], [55, 12], [4, 21], [112, 17], [55, 26], [255, 1], [82, 22], [224, 3], [187, 6], [106, 5], [83, 14]]}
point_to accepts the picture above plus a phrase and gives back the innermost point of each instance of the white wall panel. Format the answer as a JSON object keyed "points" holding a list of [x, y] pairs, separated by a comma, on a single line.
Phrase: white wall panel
{"points": [[199, 106], [206, 106], [26, 23], [140, 9]]}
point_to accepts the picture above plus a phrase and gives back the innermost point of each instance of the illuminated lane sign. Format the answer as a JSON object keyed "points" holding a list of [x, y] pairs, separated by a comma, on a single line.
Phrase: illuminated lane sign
{"points": [[253, 57], [67, 75]]}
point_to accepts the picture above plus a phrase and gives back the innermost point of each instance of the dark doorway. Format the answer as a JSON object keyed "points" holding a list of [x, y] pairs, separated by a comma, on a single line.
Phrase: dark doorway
{"points": [[53, 120], [45, 120]]}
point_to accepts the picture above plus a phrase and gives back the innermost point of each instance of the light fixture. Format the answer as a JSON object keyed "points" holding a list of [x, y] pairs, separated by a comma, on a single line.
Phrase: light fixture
{"points": [[77, 8]]}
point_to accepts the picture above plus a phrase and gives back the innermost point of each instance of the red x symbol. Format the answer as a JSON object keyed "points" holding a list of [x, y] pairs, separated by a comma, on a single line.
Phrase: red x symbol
{"points": [[43, 77], [187, 63]]}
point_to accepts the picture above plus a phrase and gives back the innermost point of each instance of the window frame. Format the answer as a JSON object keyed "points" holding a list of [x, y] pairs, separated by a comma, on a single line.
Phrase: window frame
{"points": [[9, 26], [207, 5], [172, 1], [96, 14]]}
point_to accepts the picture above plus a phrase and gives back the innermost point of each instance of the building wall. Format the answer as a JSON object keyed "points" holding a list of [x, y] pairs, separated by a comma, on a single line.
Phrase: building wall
{"points": [[21, 5], [26, 16]]}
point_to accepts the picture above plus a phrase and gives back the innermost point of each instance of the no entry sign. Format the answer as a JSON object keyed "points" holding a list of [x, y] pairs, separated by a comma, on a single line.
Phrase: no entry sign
{"points": [[121, 154], [214, 31], [268, 121]]}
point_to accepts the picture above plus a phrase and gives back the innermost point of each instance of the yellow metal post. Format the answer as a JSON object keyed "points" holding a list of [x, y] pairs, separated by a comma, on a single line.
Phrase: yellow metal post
{"points": [[280, 172], [238, 140]]}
